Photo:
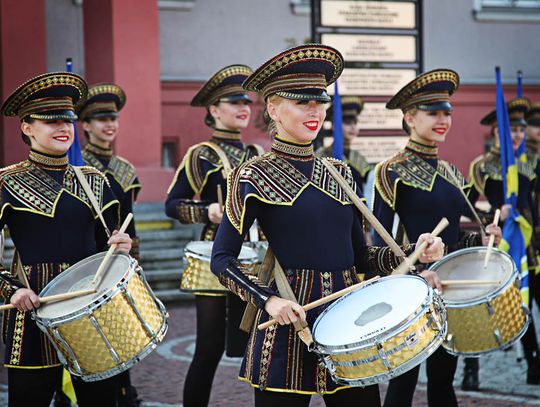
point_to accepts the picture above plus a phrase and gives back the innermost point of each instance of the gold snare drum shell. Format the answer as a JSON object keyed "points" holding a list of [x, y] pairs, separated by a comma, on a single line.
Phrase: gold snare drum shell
{"points": [[106, 334], [483, 318]]}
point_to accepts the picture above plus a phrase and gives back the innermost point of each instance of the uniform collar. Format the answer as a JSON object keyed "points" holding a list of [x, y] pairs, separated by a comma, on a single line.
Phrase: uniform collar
{"points": [[422, 149], [99, 151], [296, 151], [48, 161]]}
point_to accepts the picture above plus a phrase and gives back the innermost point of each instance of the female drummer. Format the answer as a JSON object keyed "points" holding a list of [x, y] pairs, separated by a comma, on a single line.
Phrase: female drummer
{"points": [[311, 226], [44, 207], [199, 175], [486, 173], [422, 189]]}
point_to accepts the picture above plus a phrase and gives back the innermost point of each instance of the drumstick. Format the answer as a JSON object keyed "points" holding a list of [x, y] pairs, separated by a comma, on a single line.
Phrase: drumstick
{"points": [[220, 197], [56, 298], [322, 300], [469, 282], [491, 238], [413, 258], [102, 267], [388, 239]]}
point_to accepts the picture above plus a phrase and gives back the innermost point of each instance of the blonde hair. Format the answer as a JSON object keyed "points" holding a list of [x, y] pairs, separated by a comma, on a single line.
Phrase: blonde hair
{"points": [[404, 124], [272, 127]]}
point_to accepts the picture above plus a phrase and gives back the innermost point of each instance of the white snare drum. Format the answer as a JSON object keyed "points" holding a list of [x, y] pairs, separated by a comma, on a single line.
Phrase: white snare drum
{"points": [[481, 318], [380, 331], [100, 335], [197, 275]]}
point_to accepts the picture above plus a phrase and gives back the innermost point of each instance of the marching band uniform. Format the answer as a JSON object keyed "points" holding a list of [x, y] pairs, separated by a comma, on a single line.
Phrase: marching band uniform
{"points": [[199, 174], [486, 173], [44, 206], [532, 117], [286, 191], [104, 101], [417, 186], [351, 107]]}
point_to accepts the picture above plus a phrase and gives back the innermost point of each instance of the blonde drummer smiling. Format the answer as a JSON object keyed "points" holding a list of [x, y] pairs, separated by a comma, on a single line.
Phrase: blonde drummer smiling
{"points": [[421, 189], [312, 227], [45, 207]]}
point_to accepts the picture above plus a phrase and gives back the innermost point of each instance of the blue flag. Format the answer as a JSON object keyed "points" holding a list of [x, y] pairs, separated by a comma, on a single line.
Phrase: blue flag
{"points": [[521, 152], [74, 153], [516, 230], [337, 124]]}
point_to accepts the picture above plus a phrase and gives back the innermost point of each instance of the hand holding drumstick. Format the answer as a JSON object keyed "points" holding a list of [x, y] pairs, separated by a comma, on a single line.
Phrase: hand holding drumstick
{"points": [[495, 235], [215, 210]]}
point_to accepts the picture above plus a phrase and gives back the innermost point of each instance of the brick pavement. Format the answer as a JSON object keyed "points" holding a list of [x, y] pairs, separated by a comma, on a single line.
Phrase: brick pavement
{"points": [[159, 378]]}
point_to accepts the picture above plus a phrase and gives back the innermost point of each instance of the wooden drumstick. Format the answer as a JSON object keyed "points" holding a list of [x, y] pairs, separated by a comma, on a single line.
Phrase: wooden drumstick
{"points": [[413, 258], [322, 300], [104, 263], [56, 298], [491, 238], [220, 197], [469, 282], [379, 228]]}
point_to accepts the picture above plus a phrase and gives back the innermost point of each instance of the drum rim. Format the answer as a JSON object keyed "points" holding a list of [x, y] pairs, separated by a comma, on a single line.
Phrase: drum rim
{"points": [[402, 325], [253, 259], [97, 302], [514, 275], [404, 367]]}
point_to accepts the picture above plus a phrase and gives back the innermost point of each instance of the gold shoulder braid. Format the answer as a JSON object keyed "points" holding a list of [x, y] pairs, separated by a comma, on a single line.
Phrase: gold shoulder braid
{"points": [[411, 170], [273, 180], [38, 192]]}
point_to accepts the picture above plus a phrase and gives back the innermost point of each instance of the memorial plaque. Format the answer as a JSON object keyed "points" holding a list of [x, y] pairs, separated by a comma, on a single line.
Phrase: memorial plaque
{"points": [[373, 47], [375, 116], [379, 148], [375, 148], [368, 14], [373, 82]]}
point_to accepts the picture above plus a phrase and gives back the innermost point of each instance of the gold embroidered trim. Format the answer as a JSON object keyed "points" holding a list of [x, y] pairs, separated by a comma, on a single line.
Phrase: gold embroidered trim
{"points": [[52, 162], [226, 134], [97, 150], [291, 149], [423, 149]]}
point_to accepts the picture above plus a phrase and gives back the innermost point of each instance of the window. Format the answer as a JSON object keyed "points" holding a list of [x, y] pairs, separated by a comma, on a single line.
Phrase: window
{"points": [[507, 10], [301, 7], [168, 154]]}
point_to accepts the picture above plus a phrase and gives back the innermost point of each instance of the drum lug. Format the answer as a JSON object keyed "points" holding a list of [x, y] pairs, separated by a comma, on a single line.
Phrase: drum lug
{"points": [[78, 371], [382, 355], [450, 341], [131, 302], [498, 338], [489, 306]]}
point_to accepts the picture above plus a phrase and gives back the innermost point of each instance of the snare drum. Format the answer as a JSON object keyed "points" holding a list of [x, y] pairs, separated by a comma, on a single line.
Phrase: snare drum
{"points": [[197, 275], [380, 331], [481, 318], [98, 336]]}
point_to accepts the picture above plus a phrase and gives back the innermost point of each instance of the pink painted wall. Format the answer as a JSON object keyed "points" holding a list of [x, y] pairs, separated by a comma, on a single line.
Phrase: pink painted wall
{"points": [[23, 55], [122, 45]]}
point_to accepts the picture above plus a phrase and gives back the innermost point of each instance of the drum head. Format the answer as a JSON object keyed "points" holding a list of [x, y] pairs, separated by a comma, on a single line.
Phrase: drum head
{"points": [[370, 311], [203, 250], [468, 264], [79, 277]]}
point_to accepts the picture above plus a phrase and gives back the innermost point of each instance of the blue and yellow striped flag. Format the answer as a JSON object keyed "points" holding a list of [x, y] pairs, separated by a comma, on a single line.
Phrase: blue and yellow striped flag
{"points": [[521, 152], [516, 230]]}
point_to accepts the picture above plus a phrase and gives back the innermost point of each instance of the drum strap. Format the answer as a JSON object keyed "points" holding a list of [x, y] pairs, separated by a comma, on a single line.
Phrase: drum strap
{"points": [[456, 183], [264, 274], [285, 290], [91, 197]]}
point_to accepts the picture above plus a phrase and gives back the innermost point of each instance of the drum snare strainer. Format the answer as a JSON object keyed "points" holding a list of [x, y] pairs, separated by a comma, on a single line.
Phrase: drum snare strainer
{"points": [[98, 336], [380, 331]]}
